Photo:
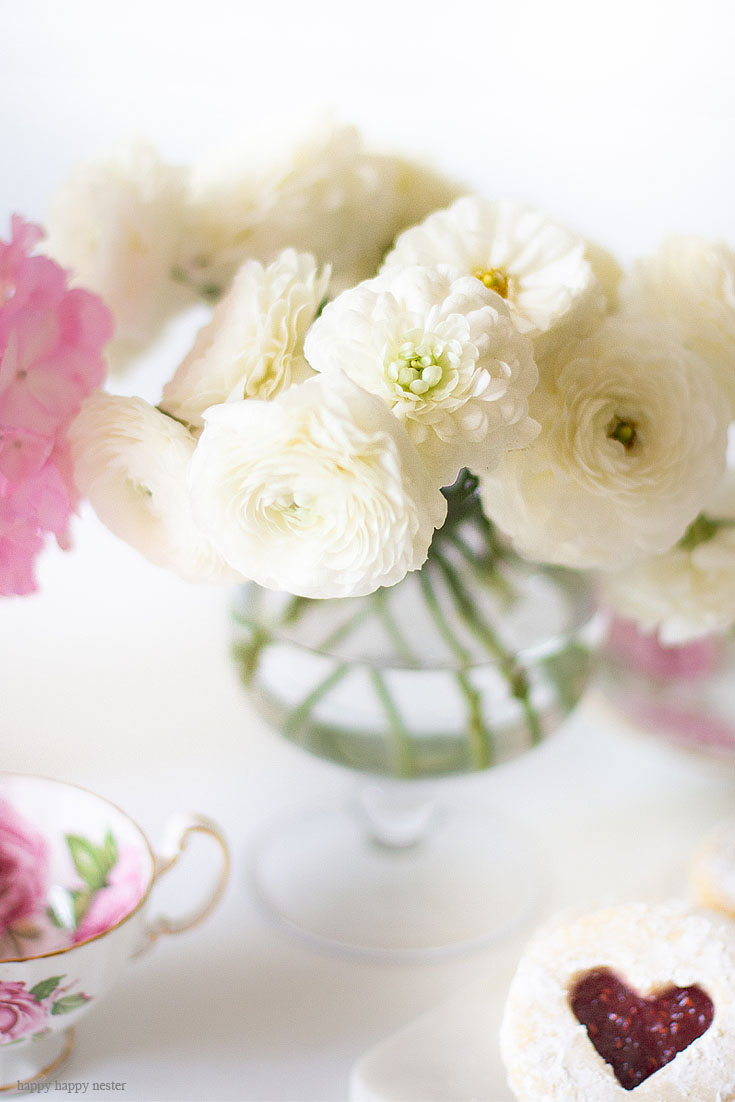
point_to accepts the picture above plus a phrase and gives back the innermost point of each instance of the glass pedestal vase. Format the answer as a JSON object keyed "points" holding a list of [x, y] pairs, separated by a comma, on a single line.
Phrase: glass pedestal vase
{"points": [[462, 666]]}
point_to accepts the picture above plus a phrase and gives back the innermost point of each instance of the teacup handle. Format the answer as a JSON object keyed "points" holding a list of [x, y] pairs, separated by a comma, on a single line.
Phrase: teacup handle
{"points": [[177, 833]]}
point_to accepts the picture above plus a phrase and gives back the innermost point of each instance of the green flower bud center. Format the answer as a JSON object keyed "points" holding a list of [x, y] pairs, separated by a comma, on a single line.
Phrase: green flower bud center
{"points": [[495, 279], [417, 368], [624, 431]]}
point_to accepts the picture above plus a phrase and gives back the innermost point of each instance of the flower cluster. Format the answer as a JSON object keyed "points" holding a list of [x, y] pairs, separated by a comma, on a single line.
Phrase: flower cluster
{"points": [[375, 333], [151, 237], [51, 341]]}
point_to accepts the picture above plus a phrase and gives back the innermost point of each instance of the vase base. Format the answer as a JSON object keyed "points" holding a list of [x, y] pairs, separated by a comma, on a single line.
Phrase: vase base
{"points": [[472, 878]]}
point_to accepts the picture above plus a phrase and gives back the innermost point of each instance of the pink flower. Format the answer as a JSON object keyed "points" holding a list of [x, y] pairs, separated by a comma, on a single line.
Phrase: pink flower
{"points": [[24, 860], [642, 651], [690, 727], [19, 1012], [125, 888], [51, 342]]}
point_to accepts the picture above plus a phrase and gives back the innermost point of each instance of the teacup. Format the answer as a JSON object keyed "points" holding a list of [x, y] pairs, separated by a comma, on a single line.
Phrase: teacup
{"points": [[76, 875]]}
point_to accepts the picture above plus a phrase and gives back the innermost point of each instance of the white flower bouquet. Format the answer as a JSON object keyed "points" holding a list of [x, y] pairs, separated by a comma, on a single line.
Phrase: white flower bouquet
{"points": [[377, 336]]}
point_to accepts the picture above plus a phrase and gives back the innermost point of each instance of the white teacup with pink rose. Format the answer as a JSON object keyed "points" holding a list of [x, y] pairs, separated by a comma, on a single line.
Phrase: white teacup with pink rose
{"points": [[76, 875]]}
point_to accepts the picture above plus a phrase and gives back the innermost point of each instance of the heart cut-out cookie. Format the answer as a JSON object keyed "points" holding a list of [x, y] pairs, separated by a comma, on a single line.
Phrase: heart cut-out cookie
{"points": [[631, 1002], [638, 1036]]}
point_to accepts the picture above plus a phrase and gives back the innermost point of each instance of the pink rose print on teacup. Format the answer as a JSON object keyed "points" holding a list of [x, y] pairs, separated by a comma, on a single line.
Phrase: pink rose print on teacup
{"points": [[24, 864], [124, 888], [23, 1012], [20, 1013]]}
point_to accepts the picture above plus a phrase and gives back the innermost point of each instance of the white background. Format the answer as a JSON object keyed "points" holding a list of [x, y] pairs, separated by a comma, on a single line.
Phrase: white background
{"points": [[618, 118]]}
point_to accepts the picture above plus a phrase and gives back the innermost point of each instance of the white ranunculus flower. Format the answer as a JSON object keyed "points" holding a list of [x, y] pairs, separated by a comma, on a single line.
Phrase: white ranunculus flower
{"points": [[633, 440], [540, 268], [117, 224], [318, 492], [442, 351], [324, 194], [253, 345], [131, 461], [689, 282], [608, 273], [689, 591]]}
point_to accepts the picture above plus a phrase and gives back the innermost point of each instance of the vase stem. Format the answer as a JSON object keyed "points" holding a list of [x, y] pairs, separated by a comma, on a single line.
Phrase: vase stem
{"points": [[395, 817]]}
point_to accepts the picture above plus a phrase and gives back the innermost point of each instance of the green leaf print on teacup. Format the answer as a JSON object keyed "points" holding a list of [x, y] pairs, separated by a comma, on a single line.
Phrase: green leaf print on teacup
{"points": [[93, 864], [113, 882]]}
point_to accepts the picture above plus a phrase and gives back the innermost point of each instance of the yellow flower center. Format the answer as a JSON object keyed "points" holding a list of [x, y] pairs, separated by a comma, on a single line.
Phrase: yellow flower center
{"points": [[495, 279]]}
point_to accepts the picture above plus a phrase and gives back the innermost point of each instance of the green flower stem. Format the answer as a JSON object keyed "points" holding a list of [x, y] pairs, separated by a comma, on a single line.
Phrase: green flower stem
{"points": [[404, 762], [298, 716], [440, 620], [364, 610], [293, 610], [485, 566], [565, 671], [482, 749], [514, 675], [481, 739], [381, 601], [248, 654]]}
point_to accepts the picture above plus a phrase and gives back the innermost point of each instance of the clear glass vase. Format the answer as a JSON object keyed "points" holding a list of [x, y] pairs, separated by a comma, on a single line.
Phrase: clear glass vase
{"points": [[463, 665]]}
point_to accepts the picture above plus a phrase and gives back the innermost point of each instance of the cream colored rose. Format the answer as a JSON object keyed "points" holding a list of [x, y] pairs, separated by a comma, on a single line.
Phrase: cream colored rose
{"points": [[117, 225], [442, 352], [689, 282], [689, 591], [318, 492], [540, 268], [324, 193], [253, 345], [633, 440], [131, 461]]}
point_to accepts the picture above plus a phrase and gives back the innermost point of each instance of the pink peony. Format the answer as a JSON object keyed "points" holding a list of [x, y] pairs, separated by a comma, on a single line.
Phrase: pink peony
{"points": [[19, 1012], [24, 862], [51, 342], [125, 888]]}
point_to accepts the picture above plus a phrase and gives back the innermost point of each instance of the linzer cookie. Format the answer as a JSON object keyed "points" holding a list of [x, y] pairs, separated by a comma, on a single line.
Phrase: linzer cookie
{"points": [[634, 1001], [713, 870]]}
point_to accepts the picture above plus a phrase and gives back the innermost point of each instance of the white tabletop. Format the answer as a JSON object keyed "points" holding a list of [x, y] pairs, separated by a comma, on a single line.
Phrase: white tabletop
{"points": [[116, 676]]}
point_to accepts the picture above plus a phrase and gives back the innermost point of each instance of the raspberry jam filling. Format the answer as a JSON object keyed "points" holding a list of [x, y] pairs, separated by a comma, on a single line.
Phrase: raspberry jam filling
{"points": [[638, 1036]]}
